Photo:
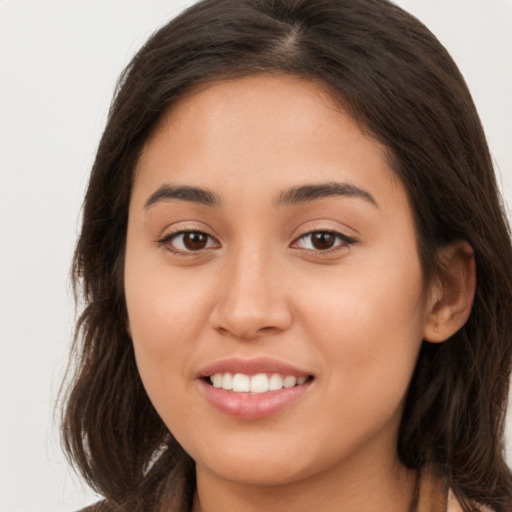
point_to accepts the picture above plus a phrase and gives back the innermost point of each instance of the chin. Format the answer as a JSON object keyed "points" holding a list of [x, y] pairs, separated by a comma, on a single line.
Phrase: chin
{"points": [[263, 473], [264, 463]]}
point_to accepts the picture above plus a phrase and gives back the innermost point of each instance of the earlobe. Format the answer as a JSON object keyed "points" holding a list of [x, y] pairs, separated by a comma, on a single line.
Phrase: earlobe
{"points": [[451, 296]]}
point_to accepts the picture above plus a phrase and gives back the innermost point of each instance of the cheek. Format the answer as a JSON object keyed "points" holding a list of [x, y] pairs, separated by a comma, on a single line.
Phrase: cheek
{"points": [[165, 308], [166, 318], [367, 333], [369, 321]]}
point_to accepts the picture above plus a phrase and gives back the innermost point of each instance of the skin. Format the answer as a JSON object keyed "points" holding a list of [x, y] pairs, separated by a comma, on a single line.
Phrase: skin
{"points": [[353, 317]]}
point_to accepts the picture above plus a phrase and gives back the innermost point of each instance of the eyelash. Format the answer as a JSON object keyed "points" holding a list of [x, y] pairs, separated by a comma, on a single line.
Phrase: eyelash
{"points": [[168, 239], [343, 241]]}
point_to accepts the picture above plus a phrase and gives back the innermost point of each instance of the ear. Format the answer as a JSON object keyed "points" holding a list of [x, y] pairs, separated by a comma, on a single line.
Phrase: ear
{"points": [[451, 296]]}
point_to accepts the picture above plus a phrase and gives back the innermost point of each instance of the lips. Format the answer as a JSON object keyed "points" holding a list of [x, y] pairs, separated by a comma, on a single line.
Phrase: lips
{"points": [[252, 389], [252, 367]]}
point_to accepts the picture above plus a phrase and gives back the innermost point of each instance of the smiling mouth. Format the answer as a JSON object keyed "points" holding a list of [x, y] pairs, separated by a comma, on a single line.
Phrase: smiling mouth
{"points": [[253, 384]]}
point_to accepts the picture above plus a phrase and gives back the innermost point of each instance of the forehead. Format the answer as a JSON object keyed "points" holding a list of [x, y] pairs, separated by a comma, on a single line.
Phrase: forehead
{"points": [[278, 130], [212, 99]]}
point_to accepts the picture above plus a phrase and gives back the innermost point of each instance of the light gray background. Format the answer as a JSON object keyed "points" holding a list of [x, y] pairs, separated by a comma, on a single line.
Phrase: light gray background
{"points": [[59, 60]]}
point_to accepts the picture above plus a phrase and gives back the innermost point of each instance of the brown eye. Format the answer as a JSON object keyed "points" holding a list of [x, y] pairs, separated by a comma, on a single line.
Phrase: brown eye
{"points": [[323, 241], [195, 241], [189, 241]]}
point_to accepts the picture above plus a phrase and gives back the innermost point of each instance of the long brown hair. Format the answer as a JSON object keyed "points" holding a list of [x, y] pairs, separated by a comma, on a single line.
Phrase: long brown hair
{"points": [[401, 85]]}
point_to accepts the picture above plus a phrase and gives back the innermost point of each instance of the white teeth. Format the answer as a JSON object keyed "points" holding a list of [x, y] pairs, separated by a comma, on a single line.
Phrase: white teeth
{"points": [[259, 383], [241, 383], [227, 381], [217, 380], [289, 381], [275, 382]]}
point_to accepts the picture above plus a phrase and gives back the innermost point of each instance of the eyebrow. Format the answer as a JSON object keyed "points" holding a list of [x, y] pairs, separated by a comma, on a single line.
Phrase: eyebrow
{"points": [[306, 193], [293, 196], [184, 193]]}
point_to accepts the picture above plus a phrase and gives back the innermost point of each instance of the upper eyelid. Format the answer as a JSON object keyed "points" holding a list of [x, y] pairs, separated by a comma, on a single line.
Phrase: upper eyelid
{"points": [[172, 234], [326, 224], [343, 235], [169, 236], [309, 232], [171, 231]]}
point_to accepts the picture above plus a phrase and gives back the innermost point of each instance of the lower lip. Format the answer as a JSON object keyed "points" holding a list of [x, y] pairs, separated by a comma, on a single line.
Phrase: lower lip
{"points": [[252, 406]]}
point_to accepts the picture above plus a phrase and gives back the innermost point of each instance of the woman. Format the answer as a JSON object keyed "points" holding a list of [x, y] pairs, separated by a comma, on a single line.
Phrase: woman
{"points": [[297, 272]]}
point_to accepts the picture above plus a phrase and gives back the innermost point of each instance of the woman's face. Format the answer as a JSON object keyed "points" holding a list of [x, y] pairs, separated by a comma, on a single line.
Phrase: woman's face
{"points": [[271, 248]]}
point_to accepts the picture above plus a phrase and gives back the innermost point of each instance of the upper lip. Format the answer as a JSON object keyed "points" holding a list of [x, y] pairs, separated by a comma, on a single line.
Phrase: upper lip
{"points": [[251, 367]]}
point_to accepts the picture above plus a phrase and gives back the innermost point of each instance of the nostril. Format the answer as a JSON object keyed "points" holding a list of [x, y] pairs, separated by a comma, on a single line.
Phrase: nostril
{"points": [[245, 333], [267, 329]]}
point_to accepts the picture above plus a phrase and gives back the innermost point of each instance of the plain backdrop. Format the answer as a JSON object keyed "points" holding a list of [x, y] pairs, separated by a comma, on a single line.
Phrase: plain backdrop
{"points": [[59, 60]]}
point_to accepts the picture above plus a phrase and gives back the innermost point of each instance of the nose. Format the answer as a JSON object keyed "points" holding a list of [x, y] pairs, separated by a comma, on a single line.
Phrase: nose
{"points": [[251, 298]]}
